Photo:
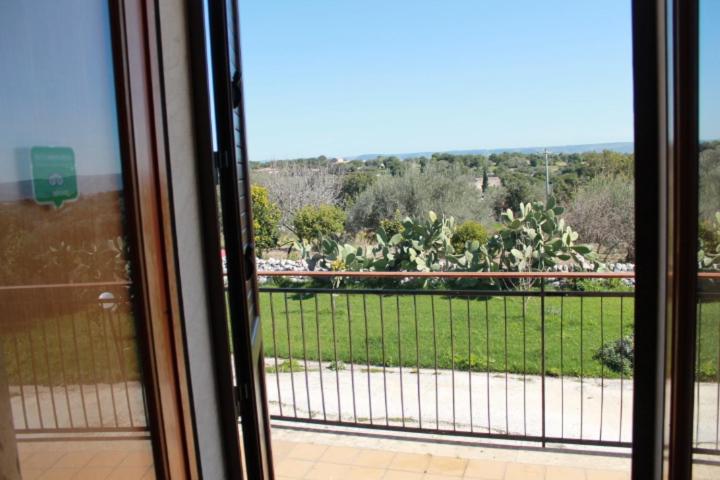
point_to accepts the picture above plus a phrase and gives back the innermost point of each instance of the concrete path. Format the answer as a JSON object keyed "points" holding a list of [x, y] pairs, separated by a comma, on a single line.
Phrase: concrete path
{"points": [[588, 409]]}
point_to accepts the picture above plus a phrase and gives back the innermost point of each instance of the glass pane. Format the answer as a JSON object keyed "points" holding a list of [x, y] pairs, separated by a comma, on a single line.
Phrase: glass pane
{"points": [[707, 386], [70, 367]]}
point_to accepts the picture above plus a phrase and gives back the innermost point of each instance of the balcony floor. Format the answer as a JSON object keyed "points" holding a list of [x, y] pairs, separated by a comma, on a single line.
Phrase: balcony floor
{"points": [[345, 454], [314, 454]]}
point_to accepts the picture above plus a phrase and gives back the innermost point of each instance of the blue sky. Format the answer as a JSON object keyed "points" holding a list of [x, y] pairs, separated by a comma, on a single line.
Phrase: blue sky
{"points": [[343, 78], [709, 69]]}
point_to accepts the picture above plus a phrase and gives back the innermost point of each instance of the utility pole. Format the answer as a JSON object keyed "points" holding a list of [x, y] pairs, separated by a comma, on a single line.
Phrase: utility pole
{"points": [[547, 178]]}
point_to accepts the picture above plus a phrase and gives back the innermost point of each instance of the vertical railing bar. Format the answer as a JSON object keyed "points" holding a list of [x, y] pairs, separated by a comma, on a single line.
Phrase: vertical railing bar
{"points": [[524, 375], [43, 330], [94, 369], [384, 362], [417, 359], [319, 352], [335, 358], [111, 378], [562, 368], [602, 365], [452, 361], [64, 373], [123, 370], [435, 351], [79, 369], [275, 352], [697, 374], [717, 395], [34, 378], [487, 359], [542, 359], [622, 372], [305, 360], [400, 362], [367, 357], [469, 338], [290, 357], [507, 422], [582, 394], [352, 361], [20, 379]]}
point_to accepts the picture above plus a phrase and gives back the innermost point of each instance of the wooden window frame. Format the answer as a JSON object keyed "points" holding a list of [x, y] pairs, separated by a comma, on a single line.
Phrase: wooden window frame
{"points": [[141, 120]]}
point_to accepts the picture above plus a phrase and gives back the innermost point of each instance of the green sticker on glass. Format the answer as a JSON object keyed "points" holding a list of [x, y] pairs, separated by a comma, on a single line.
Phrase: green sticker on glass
{"points": [[53, 175]]}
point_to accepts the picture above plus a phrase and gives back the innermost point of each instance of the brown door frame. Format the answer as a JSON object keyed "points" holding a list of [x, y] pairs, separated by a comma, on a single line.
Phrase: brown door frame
{"points": [[141, 119], [665, 67]]}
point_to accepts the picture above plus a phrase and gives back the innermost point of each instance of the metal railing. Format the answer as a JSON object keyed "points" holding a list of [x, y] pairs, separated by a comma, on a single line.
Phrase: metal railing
{"points": [[70, 359], [542, 364]]}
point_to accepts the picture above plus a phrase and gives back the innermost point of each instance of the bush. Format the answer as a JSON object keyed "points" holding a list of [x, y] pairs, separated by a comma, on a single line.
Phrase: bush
{"points": [[353, 184], [603, 212], [468, 231], [393, 225], [445, 190], [266, 219], [618, 356], [313, 223]]}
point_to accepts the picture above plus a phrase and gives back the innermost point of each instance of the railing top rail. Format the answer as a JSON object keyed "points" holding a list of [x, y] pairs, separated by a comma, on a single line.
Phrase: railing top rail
{"points": [[5, 288], [527, 275]]}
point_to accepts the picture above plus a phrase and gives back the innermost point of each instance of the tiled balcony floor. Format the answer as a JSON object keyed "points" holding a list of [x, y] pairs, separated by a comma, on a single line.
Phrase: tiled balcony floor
{"points": [[330, 456], [347, 455], [86, 460]]}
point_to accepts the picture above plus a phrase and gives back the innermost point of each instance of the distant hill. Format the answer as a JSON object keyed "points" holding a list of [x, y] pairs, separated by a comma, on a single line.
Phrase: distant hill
{"points": [[622, 147]]}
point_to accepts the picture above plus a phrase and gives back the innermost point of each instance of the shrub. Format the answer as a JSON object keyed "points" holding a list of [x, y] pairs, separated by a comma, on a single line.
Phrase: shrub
{"points": [[446, 190], [618, 356], [353, 184], [603, 212], [266, 219], [392, 225], [313, 223], [468, 231]]}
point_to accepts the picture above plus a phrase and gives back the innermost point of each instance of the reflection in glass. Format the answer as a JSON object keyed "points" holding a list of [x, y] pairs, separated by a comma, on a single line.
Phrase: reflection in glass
{"points": [[68, 341]]}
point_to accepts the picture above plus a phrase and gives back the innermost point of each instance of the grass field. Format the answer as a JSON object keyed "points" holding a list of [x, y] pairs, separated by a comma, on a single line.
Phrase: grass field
{"points": [[474, 334]]}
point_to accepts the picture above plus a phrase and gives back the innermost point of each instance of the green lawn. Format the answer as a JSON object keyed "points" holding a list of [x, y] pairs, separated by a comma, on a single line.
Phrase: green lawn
{"points": [[483, 337], [87, 346]]}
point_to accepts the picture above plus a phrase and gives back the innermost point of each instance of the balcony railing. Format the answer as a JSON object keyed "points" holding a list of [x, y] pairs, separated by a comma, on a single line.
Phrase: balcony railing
{"points": [[70, 358], [549, 362]]}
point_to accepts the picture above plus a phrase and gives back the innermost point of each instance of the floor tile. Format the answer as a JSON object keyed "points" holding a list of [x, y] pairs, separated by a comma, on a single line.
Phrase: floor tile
{"points": [[400, 475], [58, 474], [127, 473], [42, 460], [110, 458], [365, 473], [75, 459], [374, 458], [485, 469], [327, 471], [137, 459], [31, 473], [595, 474], [564, 473], [307, 451], [522, 471], [293, 468], [340, 454], [411, 462], [93, 473], [448, 466]]}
